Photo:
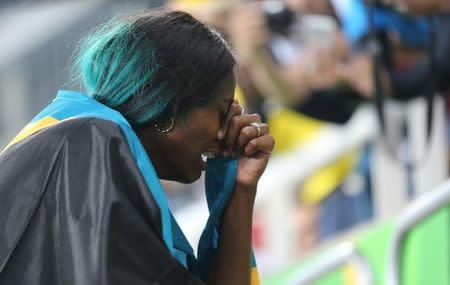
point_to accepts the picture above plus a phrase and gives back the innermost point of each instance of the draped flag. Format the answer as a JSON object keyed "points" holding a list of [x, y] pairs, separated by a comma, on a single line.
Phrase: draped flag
{"points": [[82, 204]]}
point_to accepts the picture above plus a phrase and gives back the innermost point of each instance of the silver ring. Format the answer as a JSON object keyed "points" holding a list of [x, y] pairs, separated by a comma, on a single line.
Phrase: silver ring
{"points": [[257, 127]]}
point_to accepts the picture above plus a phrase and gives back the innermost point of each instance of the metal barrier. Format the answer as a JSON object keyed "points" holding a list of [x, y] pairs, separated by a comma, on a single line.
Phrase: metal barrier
{"points": [[338, 256], [420, 209]]}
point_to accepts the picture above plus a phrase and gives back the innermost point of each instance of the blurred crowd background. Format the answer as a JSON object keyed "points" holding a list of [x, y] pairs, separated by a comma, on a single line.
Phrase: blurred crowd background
{"points": [[354, 92]]}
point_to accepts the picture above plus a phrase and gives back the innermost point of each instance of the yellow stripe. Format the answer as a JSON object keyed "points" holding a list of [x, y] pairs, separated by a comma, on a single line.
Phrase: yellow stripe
{"points": [[349, 275], [292, 129], [255, 276], [31, 129], [322, 183]]}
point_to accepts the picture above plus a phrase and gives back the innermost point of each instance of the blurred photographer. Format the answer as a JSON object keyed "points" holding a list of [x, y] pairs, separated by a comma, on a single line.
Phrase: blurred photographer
{"points": [[412, 49], [289, 58]]}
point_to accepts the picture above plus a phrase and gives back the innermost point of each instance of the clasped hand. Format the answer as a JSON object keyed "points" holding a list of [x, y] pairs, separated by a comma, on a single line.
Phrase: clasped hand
{"points": [[245, 137]]}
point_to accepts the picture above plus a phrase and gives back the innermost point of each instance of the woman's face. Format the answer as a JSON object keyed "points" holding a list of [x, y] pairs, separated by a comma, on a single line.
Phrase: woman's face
{"points": [[177, 154]]}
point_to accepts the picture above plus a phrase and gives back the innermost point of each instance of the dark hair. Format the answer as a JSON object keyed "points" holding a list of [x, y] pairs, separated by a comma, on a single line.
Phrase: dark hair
{"points": [[153, 66]]}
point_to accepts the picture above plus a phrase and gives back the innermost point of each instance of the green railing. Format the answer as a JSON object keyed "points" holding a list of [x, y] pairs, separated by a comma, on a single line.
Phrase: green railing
{"points": [[413, 249]]}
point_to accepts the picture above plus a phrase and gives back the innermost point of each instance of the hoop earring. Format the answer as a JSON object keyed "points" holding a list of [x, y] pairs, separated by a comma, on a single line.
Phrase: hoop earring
{"points": [[172, 123]]}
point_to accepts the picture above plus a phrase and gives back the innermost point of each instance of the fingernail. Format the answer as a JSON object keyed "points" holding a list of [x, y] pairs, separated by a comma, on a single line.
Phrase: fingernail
{"points": [[220, 134]]}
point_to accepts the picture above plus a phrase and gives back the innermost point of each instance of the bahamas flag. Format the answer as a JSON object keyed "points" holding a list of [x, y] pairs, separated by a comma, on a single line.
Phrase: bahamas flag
{"points": [[82, 204]]}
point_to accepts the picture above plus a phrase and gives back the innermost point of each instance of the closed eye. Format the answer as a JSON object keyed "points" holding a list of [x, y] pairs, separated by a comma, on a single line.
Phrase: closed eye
{"points": [[223, 117]]}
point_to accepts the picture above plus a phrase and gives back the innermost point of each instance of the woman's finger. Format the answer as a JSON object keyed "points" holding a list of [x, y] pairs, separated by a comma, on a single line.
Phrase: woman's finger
{"points": [[236, 124], [262, 145], [235, 110], [247, 134]]}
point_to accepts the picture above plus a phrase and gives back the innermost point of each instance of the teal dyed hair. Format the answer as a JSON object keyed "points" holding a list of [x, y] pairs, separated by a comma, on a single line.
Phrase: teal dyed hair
{"points": [[116, 64], [154, 66]]}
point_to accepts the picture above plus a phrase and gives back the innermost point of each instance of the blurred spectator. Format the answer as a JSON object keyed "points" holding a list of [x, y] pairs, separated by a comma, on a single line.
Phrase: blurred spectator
{"points": [[298, 64]]}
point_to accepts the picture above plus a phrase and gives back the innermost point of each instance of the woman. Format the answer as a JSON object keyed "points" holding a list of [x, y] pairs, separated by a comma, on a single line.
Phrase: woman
{"points": [[82, 203]]}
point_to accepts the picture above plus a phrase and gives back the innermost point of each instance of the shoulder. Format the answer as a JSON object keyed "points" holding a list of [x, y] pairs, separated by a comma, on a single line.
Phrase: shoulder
{"points": [[87, 159], [52, 137], [79, 128]]}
